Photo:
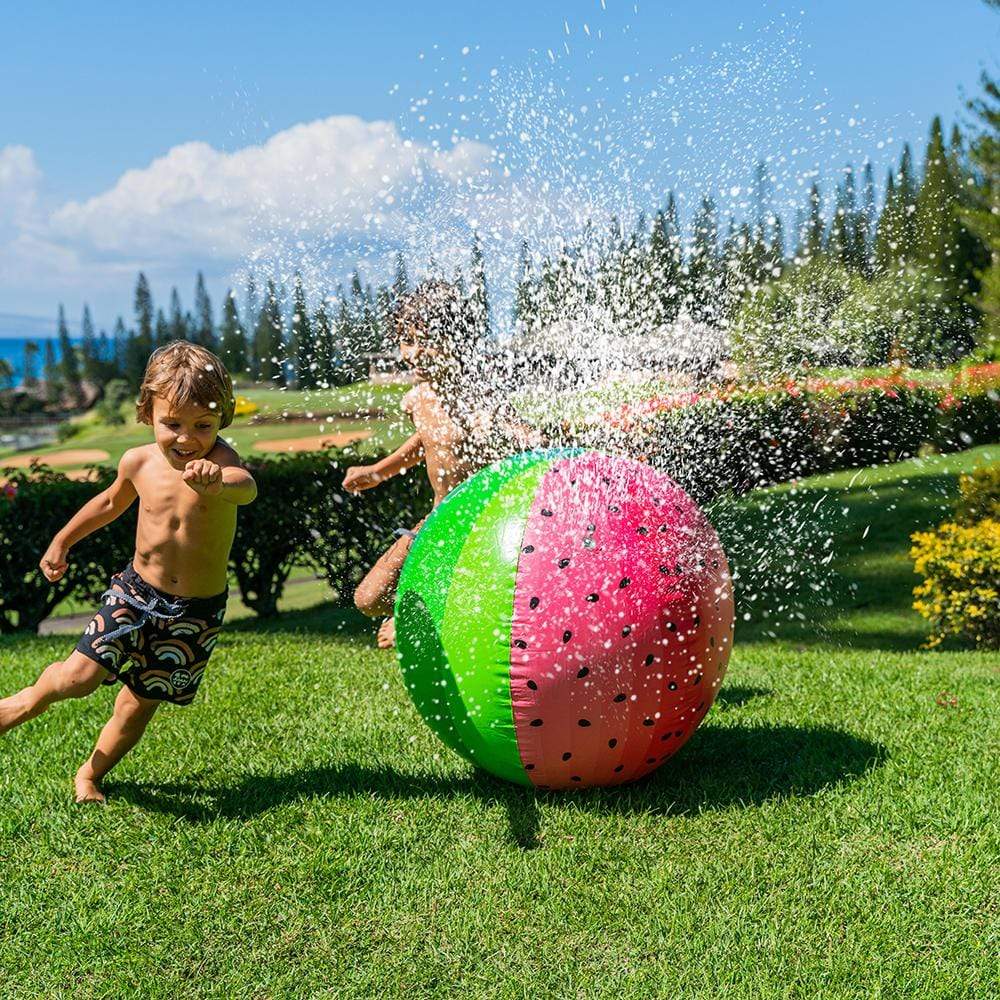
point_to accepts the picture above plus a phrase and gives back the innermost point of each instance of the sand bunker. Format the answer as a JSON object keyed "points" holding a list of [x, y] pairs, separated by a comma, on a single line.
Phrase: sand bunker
{"points": [[71, 456], [318, 442]]}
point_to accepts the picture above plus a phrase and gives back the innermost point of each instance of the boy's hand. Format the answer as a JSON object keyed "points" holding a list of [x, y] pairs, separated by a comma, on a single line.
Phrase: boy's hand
{"points": [[203, 477], [361, 477], [53, 564]]}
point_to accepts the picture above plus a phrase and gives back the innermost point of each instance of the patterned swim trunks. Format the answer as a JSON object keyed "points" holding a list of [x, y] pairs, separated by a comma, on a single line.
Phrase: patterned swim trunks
{"points": [[155, 643]]}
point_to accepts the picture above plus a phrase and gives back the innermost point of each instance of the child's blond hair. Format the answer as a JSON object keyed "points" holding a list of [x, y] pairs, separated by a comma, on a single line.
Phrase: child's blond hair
{"points": [[182, 372]]}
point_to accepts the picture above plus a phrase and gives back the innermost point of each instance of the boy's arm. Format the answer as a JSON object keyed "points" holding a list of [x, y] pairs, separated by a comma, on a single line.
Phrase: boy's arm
{"points": [[223, 475], [363, 477], [94, 514]]}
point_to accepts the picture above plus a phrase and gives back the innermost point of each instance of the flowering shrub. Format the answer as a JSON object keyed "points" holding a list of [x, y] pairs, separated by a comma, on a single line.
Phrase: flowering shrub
{"points": [[739, 438], [960, 594], [979, 495]]}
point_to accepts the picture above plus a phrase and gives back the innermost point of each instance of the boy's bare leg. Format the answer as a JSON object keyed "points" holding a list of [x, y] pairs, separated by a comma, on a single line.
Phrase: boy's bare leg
{"points": [[75, 677], [376, 594], [121, 732]]}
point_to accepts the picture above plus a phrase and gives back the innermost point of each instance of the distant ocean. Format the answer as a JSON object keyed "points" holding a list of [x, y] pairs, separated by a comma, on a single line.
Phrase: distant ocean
{"points": [[12, 350]]}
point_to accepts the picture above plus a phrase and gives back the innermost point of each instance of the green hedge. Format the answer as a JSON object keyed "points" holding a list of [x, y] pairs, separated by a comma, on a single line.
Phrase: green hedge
{"points": [[716, 443], [301, 517]]}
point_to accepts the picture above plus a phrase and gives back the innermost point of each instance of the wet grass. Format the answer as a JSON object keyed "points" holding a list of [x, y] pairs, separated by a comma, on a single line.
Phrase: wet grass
{"points": [[829, 831]]}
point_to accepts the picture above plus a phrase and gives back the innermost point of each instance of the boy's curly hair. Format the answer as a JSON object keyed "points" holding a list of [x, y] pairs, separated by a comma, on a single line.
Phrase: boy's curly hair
{"points": [[183, 372], [436, 314]]}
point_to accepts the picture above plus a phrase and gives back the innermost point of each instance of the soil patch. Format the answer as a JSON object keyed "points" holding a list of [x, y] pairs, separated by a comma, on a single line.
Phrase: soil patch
{"points": [[71, 456], [317, 442]]}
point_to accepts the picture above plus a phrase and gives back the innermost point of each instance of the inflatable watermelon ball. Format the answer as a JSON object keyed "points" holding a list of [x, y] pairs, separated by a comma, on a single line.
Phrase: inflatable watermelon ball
{"points": [[564, 619]]}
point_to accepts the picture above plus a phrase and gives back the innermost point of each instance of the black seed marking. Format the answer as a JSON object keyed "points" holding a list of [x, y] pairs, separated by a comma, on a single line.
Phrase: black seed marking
{"points": [[711, 640], [664, 737], [591, 528], [650, 760], [672, 626], [625, 581], [534, 602], [614, 508], [520, 644], [583, 723], [696, 621], [529, 767], [662, 528], [626, 631], [536, 723], [583, 671], [567, 755], [649, 659], [528, 548], [576, 777], [620, 697], [664, 569], [546, 513], [619, 768], [680, 732], [612, 743], [563, 563], [532, 685], [567, 635], [700, 707], [593, 598], [605, 480], [715, 564], [672, 685], [697, 679], [647, 722], [643, 531]]}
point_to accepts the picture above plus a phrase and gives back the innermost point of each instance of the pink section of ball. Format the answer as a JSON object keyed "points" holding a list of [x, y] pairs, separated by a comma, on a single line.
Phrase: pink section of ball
{"points": [[622, 623]]}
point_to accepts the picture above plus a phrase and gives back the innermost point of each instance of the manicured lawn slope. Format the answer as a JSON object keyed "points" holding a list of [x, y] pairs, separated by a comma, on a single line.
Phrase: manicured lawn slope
{"points": [[828, 832]]}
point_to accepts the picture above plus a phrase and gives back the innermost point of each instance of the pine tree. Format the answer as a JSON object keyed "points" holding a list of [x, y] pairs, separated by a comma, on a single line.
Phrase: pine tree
{"points": [[30, 378], [703, 266], [479, 296], [889, 235], [161, 330], [385, 340], [252, 305], [69, 364], [136, 356], [178, 325], [936, 222], [324, 349], [269, 343], [815, 227], [53, 384], [204, 321], [906, 187], [302, 343], [92, 367], [400, 281], [865, 226], [105, 357], [983, 215], [143, 317], [120, 339], [232, 339]]}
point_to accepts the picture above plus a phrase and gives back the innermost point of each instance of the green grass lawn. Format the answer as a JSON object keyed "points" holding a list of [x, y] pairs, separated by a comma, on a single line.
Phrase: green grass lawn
{"points": [[830, 831]]}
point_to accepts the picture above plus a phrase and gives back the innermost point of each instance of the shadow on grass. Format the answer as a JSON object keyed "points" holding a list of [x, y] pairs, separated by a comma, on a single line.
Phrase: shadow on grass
{"points": [[326, 620], [721, 767]]}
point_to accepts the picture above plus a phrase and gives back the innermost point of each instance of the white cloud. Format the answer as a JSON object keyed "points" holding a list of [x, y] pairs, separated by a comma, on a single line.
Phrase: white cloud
{"points": [[336, 175], [316, 188]]}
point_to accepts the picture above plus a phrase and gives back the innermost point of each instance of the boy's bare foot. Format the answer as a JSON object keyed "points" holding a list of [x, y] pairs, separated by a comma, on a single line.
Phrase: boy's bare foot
{"points": [[387, 634], [88, 790]]}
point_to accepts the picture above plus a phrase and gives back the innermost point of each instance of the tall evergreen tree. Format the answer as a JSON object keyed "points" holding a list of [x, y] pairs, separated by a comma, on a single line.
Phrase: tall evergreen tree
{"points": [[204, 321], [232, 338], [161, 330], [302, 342], [53, 382], [143, 316], [324, 347], [119, 341], [889, 237], [864, 231], [136, 356], [69, 363], [401, 280], [269, 344], [525, 310], [30, 378], [703, 265], [252, 305], [89, 349], [812, 244], [983, 212], [178, 324], [907, 190], [478, 296]]}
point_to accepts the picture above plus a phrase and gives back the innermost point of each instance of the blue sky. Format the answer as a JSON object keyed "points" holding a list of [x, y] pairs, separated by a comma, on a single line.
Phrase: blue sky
{"points": [[94, 91]]}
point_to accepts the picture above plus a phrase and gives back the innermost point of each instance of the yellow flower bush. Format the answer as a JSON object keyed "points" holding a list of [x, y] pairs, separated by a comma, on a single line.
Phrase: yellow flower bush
{"points": [[979, 495], [960, 594], [244, 407]]}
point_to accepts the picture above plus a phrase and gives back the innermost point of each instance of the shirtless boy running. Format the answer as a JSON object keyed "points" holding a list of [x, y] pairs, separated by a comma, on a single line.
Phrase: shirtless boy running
{"points": [[459, 428], [162, 614]]}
